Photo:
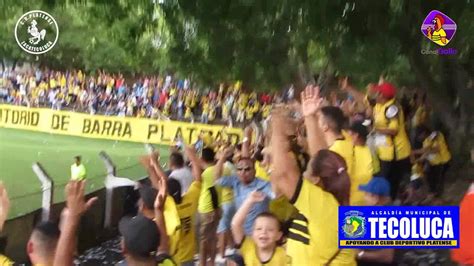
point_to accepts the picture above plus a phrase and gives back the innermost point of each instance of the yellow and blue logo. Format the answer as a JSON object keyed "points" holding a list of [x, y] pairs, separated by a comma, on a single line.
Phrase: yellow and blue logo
{"points": [[354, 224], [399, 227]]}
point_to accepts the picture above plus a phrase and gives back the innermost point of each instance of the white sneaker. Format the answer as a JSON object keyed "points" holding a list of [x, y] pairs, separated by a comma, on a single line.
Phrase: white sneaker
{"points": [[230, 251], [219, 259]]}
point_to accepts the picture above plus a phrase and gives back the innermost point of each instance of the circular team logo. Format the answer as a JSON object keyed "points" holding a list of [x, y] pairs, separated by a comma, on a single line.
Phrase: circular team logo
{"points": [[354, 224], [36, 32]]}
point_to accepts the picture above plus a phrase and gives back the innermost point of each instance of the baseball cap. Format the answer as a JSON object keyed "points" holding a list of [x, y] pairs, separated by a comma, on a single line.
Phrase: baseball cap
{"points": [[140, 235], [378, 186], [359, 128], [386, 89], [148, 196]]}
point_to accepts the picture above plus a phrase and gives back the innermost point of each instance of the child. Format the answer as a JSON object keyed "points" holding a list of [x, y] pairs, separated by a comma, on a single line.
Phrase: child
{"points": [[363, 163], [262, 248]]}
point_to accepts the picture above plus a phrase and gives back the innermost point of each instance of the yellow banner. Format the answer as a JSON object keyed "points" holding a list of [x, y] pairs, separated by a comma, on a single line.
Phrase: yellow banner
{"points": [[398, 243], [110, 127]]}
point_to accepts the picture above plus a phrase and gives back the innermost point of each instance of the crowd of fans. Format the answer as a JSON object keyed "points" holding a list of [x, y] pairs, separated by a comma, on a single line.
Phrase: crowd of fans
{"points": [[158, 97], [273, 199]]}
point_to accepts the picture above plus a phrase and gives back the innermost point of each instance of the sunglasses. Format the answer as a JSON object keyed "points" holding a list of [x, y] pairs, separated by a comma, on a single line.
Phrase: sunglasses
{"points": [[244, 169]]}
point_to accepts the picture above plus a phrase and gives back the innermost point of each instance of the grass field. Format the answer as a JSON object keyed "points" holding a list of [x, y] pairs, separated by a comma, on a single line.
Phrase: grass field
{"points": [[19, 149]]}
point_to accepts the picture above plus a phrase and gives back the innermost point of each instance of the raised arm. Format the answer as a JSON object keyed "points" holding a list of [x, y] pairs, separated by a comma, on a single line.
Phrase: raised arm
{"points": [[76, 206], [219, 168], [192, 156], [196, 168], [238, 231], [284, 173], [311, 103], [155, 165], [247, 142], [159, 217], [152, 165], [4, 205], [349, 88]]}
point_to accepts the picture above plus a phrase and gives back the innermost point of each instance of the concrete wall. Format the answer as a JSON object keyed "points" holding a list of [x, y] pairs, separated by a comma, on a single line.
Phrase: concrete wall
{"points": [[90, 233]]}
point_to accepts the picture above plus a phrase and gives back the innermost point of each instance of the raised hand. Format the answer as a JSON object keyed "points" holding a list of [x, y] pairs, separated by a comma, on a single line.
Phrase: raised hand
{"points": [[4, 205], [381, 79], [155, 156], [189, 151], [248, 131], [75, 201], [160, 196], [154, 159], [310, 100], [344, 84], [228, 152], [280, 121], [256, 196]]}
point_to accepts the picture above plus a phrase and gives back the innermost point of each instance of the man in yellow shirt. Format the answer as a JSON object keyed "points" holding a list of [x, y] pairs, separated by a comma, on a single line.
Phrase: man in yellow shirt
{"points": [[78, 170], [331, 120], [435, 151], [41, 246], [208, 208], [184, 239], [391, 140]]}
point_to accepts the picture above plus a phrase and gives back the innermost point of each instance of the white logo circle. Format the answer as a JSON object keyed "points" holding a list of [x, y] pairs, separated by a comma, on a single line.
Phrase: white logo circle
{"points": [[36, 32]]}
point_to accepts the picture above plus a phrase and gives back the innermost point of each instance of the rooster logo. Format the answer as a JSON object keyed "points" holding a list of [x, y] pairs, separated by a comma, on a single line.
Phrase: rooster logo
{"points": [[439, 28], [37, 36]]}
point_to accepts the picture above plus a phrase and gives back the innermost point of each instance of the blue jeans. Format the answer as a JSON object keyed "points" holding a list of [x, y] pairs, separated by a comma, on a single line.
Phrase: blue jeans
{"points": [[228, 211]]}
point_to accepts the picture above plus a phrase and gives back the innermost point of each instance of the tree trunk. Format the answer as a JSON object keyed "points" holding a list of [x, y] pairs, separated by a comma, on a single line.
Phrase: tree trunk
{"points": [[15, 61]]}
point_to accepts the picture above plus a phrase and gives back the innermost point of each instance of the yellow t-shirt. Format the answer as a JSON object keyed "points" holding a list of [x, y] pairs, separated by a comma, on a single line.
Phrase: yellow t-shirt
{"points": [[345, 148], [77, 90], [4, 261], [385, 144], [207, 140], [312, 238], [172, 91], [78, 172], [362, 173], [261, 172], [187, 100], [266, 111], [32, 82], [225, 111], [170, 214], [184, 239], [63, 81], [436, 37], [249, 112], [417, 170], [52, 83], [227, 194], [212, 114], [436, 140], [205, 109], [420, 116], [80, 76], [188, 113], [282, 209], [205, 200], [249, 253]]}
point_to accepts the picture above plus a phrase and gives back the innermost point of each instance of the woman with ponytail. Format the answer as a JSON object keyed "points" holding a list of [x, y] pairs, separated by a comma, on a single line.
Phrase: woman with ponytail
{"points": [[312, 237]]}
